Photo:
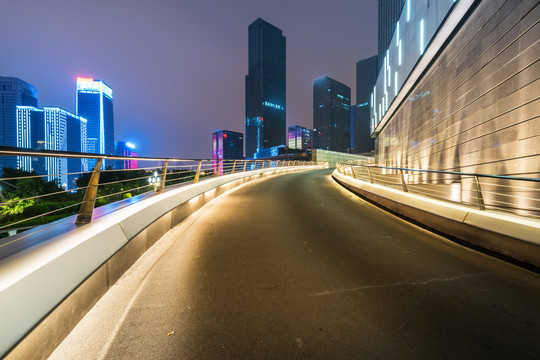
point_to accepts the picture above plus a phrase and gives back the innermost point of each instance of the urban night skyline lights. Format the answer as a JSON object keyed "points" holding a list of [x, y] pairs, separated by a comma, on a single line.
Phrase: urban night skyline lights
{"points": [[172, 93]]}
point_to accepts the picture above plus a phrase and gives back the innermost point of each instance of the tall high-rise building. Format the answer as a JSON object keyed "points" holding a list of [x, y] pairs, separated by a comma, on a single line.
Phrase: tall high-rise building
{"points": [[95, 104], [366, 77], [13, 92], [65, 131], [331, 115], [31, 135], [124, 148], [227, 145], [300, 137], [389, 12], [52, 128], [265, 88]]}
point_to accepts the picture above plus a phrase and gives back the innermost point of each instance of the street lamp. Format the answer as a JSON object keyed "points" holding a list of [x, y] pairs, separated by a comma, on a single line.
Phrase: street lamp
{"points": [[155, 180]]}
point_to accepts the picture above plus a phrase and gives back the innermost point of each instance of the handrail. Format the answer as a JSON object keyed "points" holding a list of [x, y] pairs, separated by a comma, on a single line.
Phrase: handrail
{"points": [[500, 193], [168, 172], [506, 177]]}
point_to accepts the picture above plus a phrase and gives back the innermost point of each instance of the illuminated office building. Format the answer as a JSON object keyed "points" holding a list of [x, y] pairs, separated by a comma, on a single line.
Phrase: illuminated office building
{"points": [[30, 135], [51, 128], [331, 115], [65, 131], [124, 148], [366, 76], [227, 145], [13, 92], [95, 104], [300, 138], [265, 88]]}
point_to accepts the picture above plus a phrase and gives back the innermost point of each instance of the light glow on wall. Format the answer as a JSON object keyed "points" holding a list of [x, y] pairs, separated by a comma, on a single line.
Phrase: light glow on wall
{"points": [[421, 36], [413, 34]]}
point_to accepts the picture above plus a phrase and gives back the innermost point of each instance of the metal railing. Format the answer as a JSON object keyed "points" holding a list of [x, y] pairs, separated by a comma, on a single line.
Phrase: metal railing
{"points": [[517, 195], [29, 199]]}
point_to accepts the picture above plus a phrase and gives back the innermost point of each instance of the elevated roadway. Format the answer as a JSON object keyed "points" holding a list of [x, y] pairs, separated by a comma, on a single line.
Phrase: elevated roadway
{"points": [[294, 267]]}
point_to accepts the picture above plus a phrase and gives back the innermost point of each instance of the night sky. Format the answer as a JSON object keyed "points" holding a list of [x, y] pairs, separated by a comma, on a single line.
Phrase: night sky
{"points": [[177, 67]]}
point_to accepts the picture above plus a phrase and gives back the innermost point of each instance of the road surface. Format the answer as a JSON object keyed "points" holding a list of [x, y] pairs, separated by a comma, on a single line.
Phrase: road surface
{"points": [[296, 267]]}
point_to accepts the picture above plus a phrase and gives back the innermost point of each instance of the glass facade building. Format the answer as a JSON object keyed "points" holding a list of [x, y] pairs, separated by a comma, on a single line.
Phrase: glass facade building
{"points": [[51, 128], [366, 76], [31, 135], [467, 93], [124, 148], [265, 88], [95, 104], [64, 131], [227, 145], [13, 92], [300, 138], [331, 115]]}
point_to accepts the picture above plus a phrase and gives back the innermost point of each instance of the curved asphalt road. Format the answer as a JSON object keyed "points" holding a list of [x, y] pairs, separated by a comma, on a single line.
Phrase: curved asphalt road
{"points": [[295, 267]]}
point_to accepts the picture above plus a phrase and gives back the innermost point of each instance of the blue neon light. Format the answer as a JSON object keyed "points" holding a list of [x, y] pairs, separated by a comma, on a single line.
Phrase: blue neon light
{"points": [[272, 105]]}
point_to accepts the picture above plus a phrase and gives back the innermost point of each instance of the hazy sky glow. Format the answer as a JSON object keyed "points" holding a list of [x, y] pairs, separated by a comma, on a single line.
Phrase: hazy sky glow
{"points": [[177, 67]]}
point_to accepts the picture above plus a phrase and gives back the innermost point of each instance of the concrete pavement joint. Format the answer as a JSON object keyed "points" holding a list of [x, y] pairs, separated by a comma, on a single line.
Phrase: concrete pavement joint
{"points": [[422, 282]]}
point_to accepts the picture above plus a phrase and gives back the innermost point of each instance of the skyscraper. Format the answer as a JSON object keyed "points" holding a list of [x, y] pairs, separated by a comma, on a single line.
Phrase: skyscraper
{"points": [[389, 12], [300, 137], [227, 145], [265, 88], [95, 104], [64, 131], [366, 77], [30, 135], [331, 115], [13, 92]]}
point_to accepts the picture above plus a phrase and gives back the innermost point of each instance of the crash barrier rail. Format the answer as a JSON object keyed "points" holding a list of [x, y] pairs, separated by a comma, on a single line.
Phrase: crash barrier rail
{"points": [[80, 192], [517, 195]]}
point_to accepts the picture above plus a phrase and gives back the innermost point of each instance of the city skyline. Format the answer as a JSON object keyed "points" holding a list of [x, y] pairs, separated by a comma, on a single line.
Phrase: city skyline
{"points": [[191, 81]]}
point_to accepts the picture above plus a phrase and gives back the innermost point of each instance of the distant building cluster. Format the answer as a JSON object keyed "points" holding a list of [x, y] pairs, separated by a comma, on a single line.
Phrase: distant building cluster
{"points": [[90, 130], [338, 124]]}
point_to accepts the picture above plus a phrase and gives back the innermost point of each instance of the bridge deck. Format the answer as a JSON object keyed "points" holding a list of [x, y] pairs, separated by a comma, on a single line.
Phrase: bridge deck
{"points": [[296, 267]]}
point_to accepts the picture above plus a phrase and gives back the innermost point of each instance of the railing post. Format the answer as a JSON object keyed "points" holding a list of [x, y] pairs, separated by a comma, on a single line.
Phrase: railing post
{"points": [[277, 164], [245, 164], [196, 180], [481, 204], [289, 163], [89, 200], [161, 186], [233, 167], [352, 171], [219, 168], [369, 173], [255, 165], [403, 183]]}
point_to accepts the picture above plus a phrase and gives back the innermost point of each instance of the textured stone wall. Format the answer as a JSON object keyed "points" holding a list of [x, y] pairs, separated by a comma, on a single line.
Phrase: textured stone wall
{"points": [[477, 108]]}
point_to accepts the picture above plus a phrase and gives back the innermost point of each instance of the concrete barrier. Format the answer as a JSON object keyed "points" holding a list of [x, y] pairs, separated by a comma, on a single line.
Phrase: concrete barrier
{"points": [[514, 236], [46, 289]]}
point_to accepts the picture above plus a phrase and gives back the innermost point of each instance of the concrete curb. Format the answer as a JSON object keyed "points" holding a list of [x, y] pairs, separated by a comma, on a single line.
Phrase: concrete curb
{"points": [[513, 236], [46, 289]]}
